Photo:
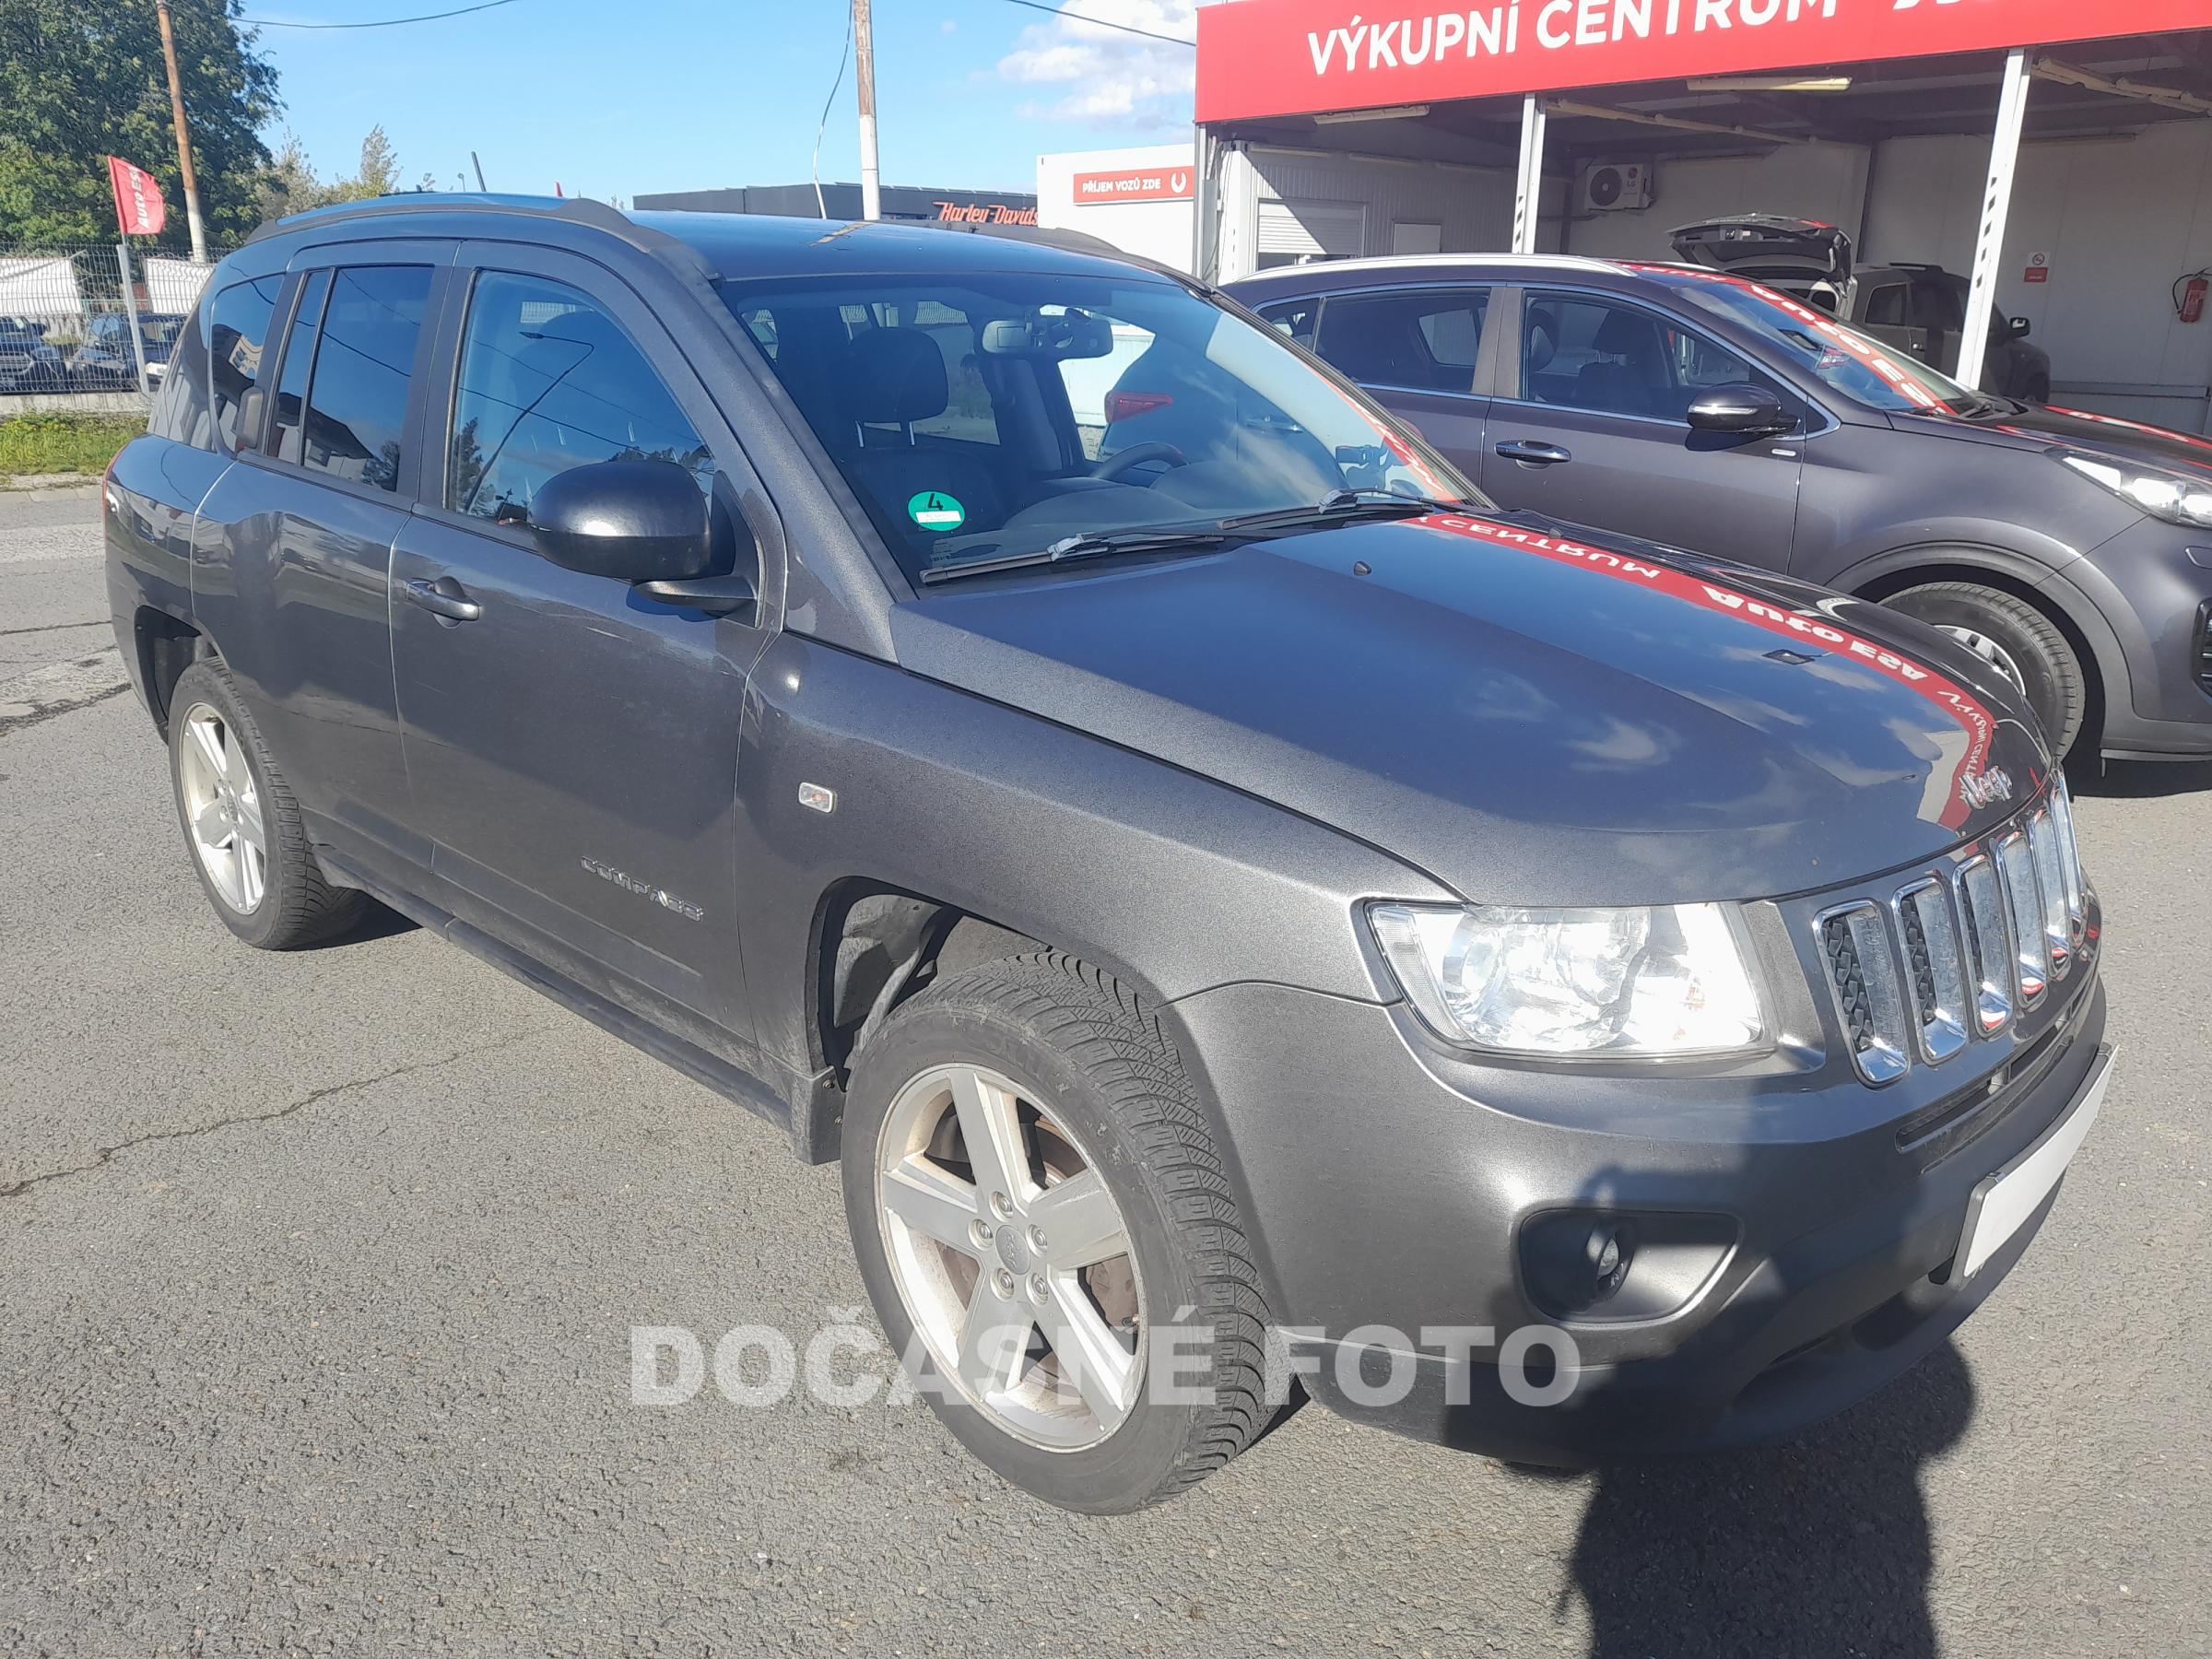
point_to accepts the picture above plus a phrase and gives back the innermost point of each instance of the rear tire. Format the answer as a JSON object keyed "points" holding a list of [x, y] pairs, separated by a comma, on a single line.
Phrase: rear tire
{"points": [[2018, 640], [1086, 1077], [241, 827]]}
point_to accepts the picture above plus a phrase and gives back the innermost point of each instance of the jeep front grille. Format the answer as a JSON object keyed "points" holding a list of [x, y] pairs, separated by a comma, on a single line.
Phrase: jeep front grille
{"points": [[1953, 954]]}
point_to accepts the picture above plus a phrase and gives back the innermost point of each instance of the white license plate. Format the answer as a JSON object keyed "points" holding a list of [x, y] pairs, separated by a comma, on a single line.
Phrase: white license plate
{"points": [[2002, 1204]]}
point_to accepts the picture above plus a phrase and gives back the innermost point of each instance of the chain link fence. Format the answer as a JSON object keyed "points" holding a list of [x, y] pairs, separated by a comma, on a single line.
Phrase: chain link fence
{"points": [[70, 320]]}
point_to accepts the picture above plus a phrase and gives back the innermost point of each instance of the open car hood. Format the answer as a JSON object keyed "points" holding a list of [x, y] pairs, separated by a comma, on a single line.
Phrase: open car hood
{"points": [[1768, 247]]}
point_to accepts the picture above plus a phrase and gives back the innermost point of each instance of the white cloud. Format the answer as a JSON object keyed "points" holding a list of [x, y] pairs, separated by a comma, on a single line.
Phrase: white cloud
{"points": [[1104, 75]]}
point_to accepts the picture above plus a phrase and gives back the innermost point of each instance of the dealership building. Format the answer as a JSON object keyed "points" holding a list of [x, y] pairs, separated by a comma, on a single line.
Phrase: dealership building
{"points": [[2057, 152]]}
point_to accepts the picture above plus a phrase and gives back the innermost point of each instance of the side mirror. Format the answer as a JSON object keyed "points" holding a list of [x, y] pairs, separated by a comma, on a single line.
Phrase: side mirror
{"points": [[2015, 328], [1747, 410], [634, 521]]}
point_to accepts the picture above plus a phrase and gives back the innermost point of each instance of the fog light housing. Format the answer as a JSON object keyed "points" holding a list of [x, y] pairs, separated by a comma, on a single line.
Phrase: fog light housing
{"points": [[1606, 1265]]}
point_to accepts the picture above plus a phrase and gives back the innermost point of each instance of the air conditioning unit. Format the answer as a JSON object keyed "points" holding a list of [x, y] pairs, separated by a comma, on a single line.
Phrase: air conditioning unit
{"points": [[1612, 186]]}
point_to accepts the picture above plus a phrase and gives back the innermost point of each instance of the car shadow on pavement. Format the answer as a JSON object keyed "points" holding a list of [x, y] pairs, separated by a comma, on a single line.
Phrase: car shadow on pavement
{"points": [[2143, 779], [378, 922], [1819, 1545]]}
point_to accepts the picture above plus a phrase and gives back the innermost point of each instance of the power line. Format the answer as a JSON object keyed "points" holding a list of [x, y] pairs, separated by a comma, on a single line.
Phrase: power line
{"points": [[1054, 11], [379, 23]]}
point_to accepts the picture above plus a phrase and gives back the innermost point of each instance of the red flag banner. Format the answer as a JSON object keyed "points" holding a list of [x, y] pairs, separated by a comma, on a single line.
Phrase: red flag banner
{"points": [[139, 210]]}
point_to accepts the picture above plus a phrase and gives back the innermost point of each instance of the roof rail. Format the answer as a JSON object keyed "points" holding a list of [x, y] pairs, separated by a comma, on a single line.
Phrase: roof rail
{"points": [[580, 209]]}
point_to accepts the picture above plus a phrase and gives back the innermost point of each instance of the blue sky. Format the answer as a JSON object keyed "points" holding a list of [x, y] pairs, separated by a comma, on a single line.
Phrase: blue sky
{"points": [[612, 99]]}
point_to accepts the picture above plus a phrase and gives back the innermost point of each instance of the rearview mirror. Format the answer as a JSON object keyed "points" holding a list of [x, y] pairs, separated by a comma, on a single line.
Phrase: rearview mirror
{"points": [[2015, 328], [1746, 410], [1057, 332], [635, 520]]}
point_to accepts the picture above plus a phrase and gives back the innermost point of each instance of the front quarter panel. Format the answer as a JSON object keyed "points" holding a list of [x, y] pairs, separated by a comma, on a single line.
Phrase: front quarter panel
{"points": [[1170, 880]]}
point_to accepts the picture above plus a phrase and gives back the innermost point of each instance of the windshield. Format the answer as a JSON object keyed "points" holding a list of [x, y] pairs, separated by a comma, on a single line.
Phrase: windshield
{"points": [[990, 417], [1840, 356]]}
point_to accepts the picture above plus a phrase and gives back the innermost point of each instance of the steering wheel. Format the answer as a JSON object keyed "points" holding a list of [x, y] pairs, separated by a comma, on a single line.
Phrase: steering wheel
{"points": [[1136, 454]]}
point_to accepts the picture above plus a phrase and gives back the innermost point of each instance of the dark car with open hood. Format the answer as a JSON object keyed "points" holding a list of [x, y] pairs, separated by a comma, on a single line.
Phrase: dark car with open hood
{"points": [[1253, 918]]}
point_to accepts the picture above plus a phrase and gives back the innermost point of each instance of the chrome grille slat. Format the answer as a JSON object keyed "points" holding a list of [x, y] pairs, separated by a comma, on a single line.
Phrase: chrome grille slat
{"points": [[1954, 955], [1937, 978]]}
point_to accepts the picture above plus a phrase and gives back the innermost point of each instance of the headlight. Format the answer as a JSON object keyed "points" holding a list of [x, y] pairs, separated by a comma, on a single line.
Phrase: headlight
{"points": [[2174, 496], [1671, 979]]}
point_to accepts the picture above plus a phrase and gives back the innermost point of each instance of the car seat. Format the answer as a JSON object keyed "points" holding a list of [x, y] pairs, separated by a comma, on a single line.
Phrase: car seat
{"points": [[1628, 377], [893, 378]]}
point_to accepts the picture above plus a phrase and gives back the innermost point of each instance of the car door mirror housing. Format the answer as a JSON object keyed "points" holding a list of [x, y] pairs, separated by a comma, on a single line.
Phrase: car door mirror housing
{"points": [[632, 521], [2015, 328], [1747, 410]]}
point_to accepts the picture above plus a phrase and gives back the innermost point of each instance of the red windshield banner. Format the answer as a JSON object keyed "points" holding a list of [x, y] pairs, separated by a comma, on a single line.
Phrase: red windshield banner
{"points": [[1259, 58], [1803, 629]]}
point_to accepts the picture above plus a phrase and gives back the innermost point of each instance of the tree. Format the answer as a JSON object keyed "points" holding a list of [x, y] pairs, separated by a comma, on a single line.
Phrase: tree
{"points": [[83, 80], [380, 168]]}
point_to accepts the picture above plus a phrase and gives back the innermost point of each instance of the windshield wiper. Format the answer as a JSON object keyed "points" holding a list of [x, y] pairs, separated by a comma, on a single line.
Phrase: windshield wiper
{"points": [[1097, 544], [1342, 504]]}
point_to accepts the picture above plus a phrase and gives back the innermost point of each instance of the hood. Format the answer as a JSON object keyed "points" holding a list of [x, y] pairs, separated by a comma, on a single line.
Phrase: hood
{"points": [[2109, 435], [1526, 717], [1766, 246]]}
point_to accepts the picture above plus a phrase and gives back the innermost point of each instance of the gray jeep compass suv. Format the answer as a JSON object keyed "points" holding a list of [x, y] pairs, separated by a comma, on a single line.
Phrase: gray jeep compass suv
{"points": [[1248, 916]]}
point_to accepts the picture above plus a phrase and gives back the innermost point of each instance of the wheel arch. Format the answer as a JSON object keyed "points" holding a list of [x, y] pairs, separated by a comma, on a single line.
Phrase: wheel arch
{"points": [[166, 645], [2104, 668], [872, 946]]}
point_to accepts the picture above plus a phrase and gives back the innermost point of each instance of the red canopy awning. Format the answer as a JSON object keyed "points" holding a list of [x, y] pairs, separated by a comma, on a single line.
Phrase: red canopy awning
{"points": [[1263, 58]]}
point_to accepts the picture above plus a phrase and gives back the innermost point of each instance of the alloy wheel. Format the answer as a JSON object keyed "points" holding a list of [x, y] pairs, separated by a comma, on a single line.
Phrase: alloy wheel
{"points": [[1990, 652], [1011, 1256], [222, 809]]}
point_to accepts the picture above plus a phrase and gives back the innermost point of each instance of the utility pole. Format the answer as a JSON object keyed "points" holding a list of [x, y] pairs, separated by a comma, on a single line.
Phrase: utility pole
{"points": [[176, 112], [863, 59]]}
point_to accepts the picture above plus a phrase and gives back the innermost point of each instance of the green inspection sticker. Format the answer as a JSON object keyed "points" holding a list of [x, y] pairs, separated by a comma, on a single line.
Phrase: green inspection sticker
{"points": [[933, 509]]}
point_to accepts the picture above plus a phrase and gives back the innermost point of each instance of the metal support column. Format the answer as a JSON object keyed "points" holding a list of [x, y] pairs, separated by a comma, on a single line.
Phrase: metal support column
{"points": [[1996, 206], [1205, 207], [1528, 188], [130, 312]]}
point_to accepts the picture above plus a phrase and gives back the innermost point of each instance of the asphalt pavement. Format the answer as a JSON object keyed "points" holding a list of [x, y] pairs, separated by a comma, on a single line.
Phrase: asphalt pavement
{"points": [[319, 1274]]}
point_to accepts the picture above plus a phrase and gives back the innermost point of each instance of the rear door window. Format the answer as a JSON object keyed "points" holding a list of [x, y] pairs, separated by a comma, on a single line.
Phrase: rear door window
{"points": [[356, 401], [238, 329], [1294, 318], [1886, 306], [1424, 342], [298, 358]]}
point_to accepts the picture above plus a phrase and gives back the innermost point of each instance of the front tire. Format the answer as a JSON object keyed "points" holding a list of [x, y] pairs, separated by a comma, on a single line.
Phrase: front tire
{"points": [[1039, 1211], [2016, 640], [241, 826]]}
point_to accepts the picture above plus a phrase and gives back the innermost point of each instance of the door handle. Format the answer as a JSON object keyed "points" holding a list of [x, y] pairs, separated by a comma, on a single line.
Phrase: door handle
{"points": [[445, 598], [1531, 453]]}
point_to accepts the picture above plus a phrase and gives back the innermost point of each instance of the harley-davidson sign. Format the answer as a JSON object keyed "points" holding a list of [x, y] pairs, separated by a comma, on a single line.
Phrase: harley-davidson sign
{"points": [[1296, 57]]}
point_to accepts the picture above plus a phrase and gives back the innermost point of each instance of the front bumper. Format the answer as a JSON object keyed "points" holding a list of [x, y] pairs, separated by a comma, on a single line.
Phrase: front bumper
{"points": [[1392, 1188], [2150, 585]]}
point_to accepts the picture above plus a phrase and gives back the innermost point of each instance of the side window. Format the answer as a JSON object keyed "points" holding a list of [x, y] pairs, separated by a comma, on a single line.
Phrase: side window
{"points": [[1423, 341], [1698, 363], [357, 403], [1937, 307], [549, 381], [237, 329], [1293, 317], [1886, 306], [1591, 354], [292, 374]]}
